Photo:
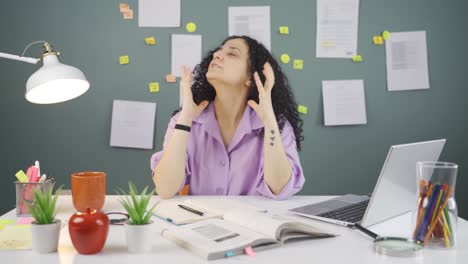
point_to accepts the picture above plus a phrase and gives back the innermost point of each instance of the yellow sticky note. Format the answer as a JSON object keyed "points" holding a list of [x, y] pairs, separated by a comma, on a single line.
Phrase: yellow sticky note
{"points": [[154, 87], [285, 58], [7, 222], [124, 59], [357, 58], [191, 27], [284, 30], [21, 176], [128, 14], [298, 64], [378, 40], [150, 41], [302, 109], [386, 35]]}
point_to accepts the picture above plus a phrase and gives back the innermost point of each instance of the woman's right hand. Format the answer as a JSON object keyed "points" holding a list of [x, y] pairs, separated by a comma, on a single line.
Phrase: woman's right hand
{"points": [[190, 110]]}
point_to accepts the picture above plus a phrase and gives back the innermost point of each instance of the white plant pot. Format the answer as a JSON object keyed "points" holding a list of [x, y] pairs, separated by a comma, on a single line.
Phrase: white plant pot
{"points": [[139, 237], [45, 237]]}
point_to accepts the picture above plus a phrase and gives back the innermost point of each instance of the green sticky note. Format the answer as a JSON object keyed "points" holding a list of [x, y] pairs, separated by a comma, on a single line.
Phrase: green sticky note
{"points": [[154, 87], [284, 30], [357, 58], [21, 176], [298, 64], [386, 35], [302, 109]]}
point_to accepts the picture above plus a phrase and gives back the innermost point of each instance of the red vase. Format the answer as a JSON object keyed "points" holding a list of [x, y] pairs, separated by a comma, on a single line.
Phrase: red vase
{"points": [[88, 231]]}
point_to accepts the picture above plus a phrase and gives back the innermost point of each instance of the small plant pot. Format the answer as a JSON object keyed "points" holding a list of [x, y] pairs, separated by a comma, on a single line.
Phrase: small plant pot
{"points": [[45, 237], [139, 237]]}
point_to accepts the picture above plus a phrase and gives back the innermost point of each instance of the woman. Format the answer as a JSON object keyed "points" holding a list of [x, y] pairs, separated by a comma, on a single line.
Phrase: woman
{"points": [[238, 131]]}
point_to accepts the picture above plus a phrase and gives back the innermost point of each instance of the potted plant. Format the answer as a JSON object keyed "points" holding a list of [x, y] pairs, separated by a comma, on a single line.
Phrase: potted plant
{"points": [[45, 229], [139, 226]]}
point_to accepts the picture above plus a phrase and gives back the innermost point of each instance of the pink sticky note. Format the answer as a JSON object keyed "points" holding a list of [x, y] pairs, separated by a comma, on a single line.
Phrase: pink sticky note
{"points": [[25, 220], [34, 174], [249, 251]]}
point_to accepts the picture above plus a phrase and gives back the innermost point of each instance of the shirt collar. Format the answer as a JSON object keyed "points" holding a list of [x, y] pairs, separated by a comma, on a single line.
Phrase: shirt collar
{"points": [[249, 122]]}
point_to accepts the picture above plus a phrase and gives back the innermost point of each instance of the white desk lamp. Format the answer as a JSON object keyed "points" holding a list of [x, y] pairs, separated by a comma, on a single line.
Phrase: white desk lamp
{"points": [[54, 82]]}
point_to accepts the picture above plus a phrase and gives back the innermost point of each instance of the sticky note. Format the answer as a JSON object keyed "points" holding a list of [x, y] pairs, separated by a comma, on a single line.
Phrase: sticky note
{"points": [[284, 30], [285, 58], [357, 58], [302, 109], [249, 251], [154, 87], [21, 176], [150, 41], [298, 64], [386, 35], [170, 78], [6, 222], [229, 254], [378, 40], [124, 7], [124, 59], [25, 220], [128, 14], [191, 27]]}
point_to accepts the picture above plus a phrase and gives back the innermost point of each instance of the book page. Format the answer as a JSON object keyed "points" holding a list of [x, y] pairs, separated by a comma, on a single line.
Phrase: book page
{"points": [[212, 238], [170, 211], [260, 222]]}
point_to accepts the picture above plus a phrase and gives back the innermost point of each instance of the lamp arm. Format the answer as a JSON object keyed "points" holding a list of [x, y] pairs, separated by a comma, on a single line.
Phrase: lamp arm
{"points": [[19, 58]]}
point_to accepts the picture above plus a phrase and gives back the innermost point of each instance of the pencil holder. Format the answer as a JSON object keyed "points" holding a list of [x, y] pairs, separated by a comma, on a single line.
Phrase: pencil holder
{"points": [[25, 194], [435, 221]]}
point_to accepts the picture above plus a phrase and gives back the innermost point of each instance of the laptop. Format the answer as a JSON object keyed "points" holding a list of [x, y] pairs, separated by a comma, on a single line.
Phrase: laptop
{"points": [[394, 193]]}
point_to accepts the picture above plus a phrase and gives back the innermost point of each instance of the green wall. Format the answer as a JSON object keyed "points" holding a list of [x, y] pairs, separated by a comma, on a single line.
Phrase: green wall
{"points": [[91, 35]]}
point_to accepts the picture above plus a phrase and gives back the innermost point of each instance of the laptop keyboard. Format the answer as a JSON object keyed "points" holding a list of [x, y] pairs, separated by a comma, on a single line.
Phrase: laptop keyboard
{"points": [[352, 213]]}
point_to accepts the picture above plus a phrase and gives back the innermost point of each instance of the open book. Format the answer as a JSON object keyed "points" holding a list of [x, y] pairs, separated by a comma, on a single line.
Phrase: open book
{"points": [[240, 229], [171, 211]]}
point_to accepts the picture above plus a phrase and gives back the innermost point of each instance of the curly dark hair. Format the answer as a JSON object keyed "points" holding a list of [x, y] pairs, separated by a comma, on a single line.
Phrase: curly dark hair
{"points": [[284, 103]]}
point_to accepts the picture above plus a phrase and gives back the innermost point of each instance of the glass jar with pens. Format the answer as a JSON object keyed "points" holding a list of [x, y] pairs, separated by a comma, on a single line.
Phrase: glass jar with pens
{"points": [[435, 217], [25, 194]]}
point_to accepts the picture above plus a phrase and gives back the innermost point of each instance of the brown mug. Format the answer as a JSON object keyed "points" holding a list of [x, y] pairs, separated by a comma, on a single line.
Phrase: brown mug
{"points": [[88, 190]]}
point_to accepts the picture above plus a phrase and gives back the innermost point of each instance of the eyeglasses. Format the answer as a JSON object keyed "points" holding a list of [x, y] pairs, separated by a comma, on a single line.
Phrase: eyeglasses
{"points": [[117, 218]]}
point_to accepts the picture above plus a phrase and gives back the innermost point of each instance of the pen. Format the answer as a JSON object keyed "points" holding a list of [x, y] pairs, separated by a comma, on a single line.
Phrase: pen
{"points": [[191, 210]]}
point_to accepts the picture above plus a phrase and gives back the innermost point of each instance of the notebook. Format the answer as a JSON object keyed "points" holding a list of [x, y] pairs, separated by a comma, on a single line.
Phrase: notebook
{"points": [[197, 209], [394, 192], [240, 231]]}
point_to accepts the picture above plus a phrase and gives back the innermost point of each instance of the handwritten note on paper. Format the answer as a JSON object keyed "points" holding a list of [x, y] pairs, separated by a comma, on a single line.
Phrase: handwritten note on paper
{"points": [[337, 28], [407, 67], [132, 124], [159, 13], [15, 237], [252, 21], [185, 50], [344, 102]]}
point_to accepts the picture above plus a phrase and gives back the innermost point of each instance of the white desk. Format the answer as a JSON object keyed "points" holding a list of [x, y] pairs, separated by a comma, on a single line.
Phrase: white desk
{"points": [[350, 247]]}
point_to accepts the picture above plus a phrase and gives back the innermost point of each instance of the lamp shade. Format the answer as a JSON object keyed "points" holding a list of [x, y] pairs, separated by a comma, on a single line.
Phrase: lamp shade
{"points": [[55, 82]]}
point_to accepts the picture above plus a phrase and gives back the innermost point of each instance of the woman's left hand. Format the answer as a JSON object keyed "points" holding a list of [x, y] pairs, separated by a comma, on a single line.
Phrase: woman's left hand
{"points": [[264, 108]]}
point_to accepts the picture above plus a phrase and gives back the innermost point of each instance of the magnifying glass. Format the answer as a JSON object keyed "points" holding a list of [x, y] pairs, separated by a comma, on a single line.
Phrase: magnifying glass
{"points": [[393, 246]]}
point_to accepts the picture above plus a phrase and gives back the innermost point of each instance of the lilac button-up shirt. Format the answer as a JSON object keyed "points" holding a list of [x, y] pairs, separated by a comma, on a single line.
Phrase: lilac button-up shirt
{"points": [[211, 169]]}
